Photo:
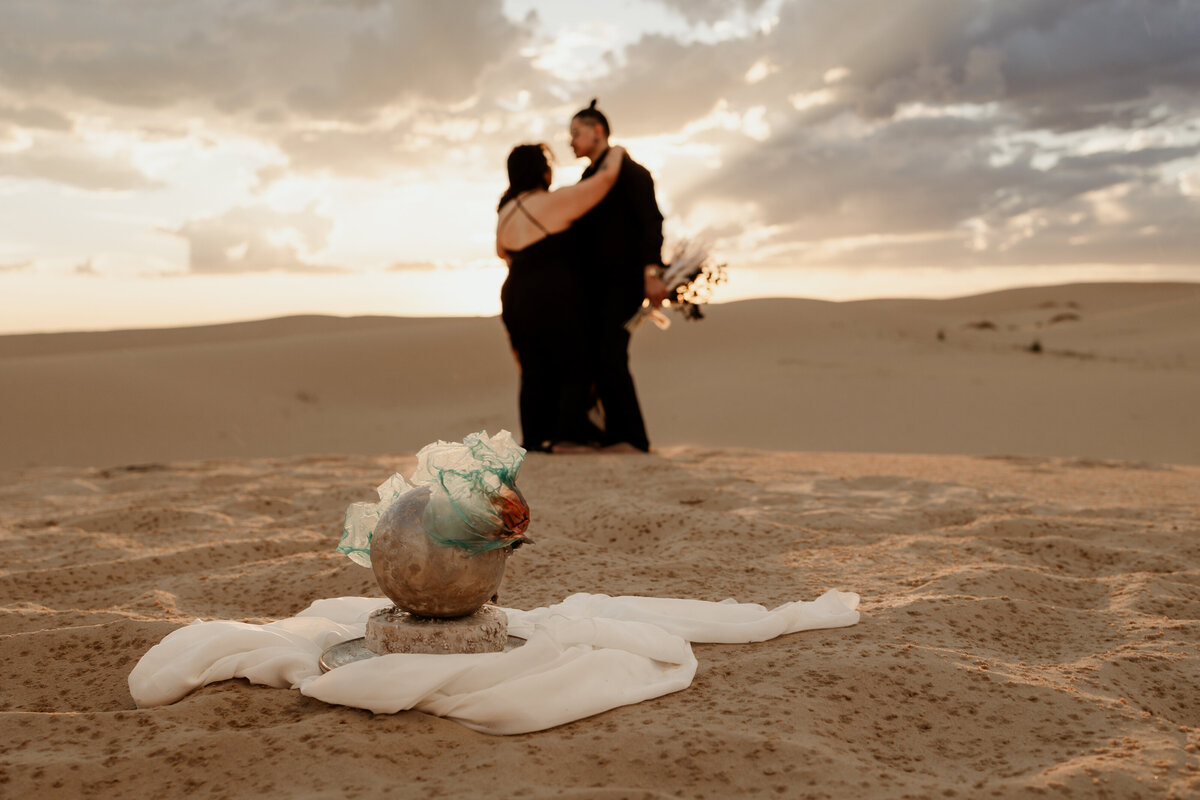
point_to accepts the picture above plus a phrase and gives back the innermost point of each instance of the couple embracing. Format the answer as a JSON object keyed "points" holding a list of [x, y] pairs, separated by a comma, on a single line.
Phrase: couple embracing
{"points": [[581, 260]]}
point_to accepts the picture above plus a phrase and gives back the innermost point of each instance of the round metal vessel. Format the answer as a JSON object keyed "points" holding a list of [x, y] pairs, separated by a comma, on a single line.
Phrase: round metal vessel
{"points": [[426, 578]]}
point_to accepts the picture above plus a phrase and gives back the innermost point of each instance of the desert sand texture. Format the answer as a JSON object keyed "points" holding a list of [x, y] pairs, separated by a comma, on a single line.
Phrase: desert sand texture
{"points": [[1116, 375], [1031, 606]]}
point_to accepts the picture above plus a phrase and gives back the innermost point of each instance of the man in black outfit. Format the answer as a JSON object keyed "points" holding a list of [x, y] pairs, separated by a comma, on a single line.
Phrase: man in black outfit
{"points": [[621, 240]]}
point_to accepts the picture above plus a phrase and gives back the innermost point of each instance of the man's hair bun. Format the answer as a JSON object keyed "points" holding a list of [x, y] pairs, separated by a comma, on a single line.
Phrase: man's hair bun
{"points": [[594, 116]]}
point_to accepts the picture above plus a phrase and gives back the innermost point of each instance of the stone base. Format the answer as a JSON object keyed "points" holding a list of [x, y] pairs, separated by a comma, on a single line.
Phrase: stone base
{"points": [[390, 630]]}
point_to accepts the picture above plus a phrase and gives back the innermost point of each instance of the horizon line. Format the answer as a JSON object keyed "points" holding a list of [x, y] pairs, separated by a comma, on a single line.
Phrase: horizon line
{"points": [[441, 315]]}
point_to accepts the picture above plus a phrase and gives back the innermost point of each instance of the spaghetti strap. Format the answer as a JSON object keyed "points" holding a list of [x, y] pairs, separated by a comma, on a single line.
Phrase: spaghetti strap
{"points": [[508, 216], [532, 218]]}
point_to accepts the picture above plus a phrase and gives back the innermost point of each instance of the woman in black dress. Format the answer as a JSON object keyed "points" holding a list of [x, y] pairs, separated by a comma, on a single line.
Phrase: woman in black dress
{"points": [[543, 296]]}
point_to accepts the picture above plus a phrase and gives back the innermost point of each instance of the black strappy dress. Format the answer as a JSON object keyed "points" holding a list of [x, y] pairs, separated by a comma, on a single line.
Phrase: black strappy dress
{"points": [[542, 302]]}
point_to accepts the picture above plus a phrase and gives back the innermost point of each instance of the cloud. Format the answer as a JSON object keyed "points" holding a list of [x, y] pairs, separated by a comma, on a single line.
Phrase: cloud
{"points": [[18, 266], [68, 161], [945, 131], [412, 266], [319, 59], [945, 188], [86, 269], [1058, 64], [1102, 53], [1039, 57], [35, 117], [711, 11], [340, 88], [912, 175], [665, 84], [435, 51], [861, 131], [256, 239]]}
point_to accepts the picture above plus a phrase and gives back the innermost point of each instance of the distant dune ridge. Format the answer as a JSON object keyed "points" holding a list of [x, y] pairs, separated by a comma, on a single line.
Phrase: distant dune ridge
{"points": [[1118, 376], [1010, 481]]}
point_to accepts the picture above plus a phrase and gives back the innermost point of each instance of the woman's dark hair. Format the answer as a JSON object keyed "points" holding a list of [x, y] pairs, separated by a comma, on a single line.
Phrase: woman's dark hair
{"points": [[592, 116], [527, 167]]}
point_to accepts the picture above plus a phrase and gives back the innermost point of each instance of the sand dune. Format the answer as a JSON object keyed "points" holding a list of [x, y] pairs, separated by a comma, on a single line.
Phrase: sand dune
{"points": [[1031, 607], [1118, 376]]}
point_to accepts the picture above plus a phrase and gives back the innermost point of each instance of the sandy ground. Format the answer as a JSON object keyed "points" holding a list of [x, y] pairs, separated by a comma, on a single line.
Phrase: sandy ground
{"points": [[1118, 376], [1031, 611]]}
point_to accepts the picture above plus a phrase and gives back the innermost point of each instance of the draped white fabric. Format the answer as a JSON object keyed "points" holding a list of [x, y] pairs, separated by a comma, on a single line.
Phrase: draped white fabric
{"points": [[587, 654]]}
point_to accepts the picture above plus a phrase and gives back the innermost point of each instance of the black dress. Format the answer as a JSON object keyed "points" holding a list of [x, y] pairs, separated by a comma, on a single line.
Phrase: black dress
{"points": [[542, 301]]}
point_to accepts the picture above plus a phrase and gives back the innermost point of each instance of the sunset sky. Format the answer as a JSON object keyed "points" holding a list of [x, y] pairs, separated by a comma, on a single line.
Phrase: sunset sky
{"points": [[178, 161]]}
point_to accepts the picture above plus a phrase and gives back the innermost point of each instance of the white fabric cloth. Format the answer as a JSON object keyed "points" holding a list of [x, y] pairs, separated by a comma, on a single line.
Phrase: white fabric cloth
{"points": [[582, 656]]}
